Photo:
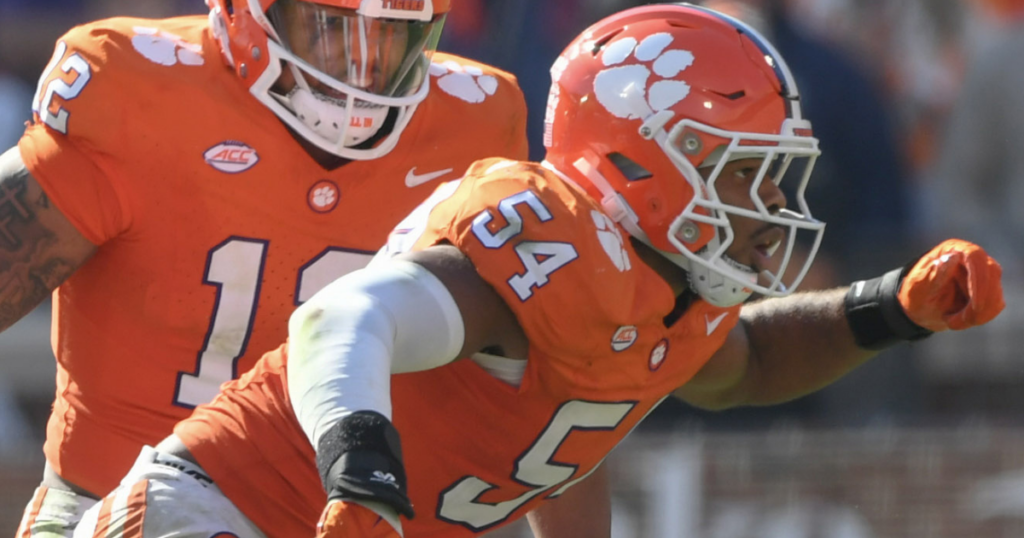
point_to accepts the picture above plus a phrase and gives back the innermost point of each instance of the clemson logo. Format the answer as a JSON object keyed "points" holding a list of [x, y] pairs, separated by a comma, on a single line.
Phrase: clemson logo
{"points": [[626, 89], [658, 355], [323, 196], [467, 82], [611, 240]]}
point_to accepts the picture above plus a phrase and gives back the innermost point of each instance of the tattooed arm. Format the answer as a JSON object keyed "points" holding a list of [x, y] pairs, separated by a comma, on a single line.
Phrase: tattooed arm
{"points": [[39, 247]]}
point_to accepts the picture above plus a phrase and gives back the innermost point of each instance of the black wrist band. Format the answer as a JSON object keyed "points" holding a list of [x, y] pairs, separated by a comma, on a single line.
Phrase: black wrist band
{"points": [[360, 458], [875, 315]]}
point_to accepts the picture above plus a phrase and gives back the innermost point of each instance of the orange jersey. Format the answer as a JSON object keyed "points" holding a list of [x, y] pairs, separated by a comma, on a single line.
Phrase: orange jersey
{"points": [[212, 222], [479, 452]]}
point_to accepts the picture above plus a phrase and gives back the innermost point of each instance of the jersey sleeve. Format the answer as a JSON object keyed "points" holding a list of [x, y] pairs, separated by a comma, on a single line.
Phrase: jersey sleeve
{"points": [[472, 90], [558, 262], [513, 109], [72, 144]]}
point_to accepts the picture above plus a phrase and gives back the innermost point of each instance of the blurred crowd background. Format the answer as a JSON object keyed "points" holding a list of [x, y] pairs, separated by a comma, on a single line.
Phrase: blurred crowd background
{"points": [[919, 106]]}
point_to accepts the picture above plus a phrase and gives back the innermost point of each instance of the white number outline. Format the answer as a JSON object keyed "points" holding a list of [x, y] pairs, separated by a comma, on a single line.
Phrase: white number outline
{"points": [[536, 273], [557, 253], [513, 220], [83, 72], [523, 467], [302, 281], [216, 315]]}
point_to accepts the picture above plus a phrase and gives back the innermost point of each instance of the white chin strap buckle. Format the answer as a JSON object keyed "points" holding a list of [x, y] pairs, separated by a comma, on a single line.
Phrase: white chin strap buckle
{"points": [[329, 117]]}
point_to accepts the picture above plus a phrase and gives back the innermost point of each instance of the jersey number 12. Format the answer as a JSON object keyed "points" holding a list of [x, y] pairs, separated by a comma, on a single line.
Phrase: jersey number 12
{"points": [[235, 268]]}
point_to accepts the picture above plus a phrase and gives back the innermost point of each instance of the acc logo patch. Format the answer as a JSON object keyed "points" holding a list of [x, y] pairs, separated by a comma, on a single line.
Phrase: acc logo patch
{"points": [[658, 355], [231, 157], [626, 88], [624, 337], [323, 196]]}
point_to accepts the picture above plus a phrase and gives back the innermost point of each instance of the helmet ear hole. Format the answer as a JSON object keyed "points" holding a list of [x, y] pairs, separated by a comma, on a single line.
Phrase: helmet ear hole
{"points": [[630, 169]]}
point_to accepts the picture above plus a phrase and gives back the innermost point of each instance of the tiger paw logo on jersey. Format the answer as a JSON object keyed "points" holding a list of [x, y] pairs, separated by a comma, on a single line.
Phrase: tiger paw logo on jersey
{"points": [[611, 239], [166, 48], [467, 82], [624, 71], [323, 196], [231, 157]]}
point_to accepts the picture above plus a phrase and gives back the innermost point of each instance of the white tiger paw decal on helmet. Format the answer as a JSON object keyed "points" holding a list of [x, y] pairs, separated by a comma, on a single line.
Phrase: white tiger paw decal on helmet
{"points": [[467, 82], [625, 88], [611, 239]]}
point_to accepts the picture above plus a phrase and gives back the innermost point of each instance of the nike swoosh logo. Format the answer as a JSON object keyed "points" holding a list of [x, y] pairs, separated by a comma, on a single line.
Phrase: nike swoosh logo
{"points": [[412, 179], [714, 323]]}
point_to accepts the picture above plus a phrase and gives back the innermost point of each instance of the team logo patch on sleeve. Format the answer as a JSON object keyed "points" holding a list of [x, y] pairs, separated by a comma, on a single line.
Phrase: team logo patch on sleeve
{"points": [[231, 157]]}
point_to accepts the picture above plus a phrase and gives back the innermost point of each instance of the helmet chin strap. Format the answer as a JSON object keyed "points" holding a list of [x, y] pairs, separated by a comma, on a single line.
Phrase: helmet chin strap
{"points": [[712, 285], [334, 118], [709, 284]]}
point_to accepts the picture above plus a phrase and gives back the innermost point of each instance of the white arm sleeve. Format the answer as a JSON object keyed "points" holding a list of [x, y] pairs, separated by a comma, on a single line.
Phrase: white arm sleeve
{"points": [[347, 340]]}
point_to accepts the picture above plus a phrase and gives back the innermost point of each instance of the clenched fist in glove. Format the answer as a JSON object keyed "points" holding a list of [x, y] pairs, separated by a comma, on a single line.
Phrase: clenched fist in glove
{"points": [[342, 519], [956, 285]]}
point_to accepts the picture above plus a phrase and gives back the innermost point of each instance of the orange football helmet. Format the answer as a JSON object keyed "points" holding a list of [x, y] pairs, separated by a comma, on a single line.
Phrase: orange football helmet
{"points": [[646, 100], [335, 71]]}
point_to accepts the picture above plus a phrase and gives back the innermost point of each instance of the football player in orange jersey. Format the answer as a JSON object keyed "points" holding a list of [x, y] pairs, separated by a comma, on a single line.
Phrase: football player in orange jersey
{"points": [[187, 182], [580, 292]]}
